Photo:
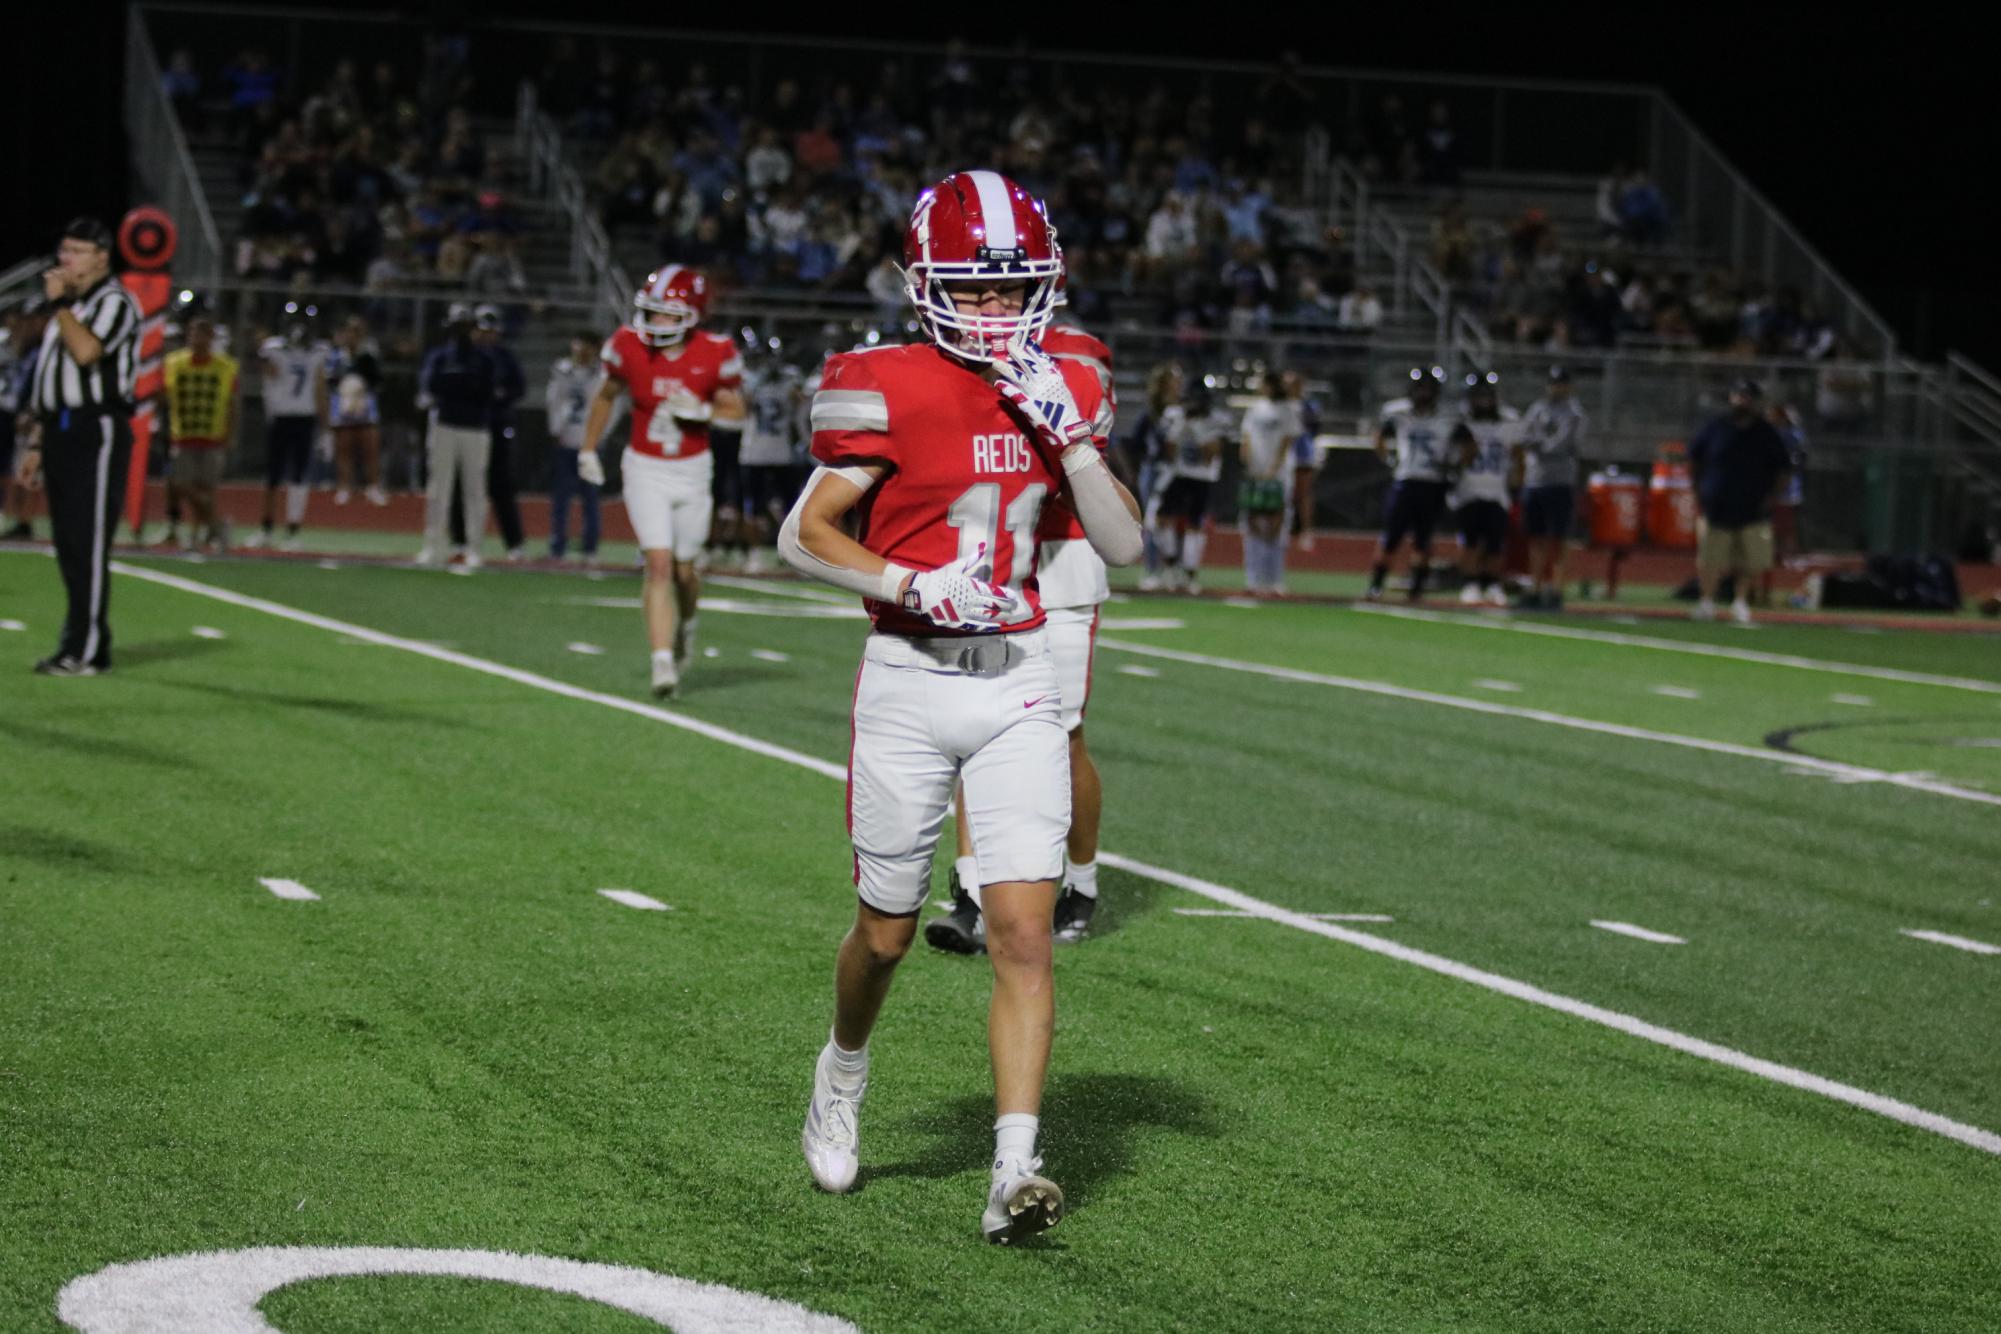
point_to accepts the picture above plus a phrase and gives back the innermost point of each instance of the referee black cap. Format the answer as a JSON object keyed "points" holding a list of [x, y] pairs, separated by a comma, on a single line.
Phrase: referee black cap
{"points": [[88, 229]]}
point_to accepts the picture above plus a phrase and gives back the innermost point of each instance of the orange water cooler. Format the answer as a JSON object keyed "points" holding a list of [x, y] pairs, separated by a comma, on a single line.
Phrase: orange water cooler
{"points": [[1614, 500], [1671, 500]]}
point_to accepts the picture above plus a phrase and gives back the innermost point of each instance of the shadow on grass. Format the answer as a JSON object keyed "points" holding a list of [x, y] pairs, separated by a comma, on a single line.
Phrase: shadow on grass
{"points": [[1092, 1125], [58, 850], [166, 650], [93, 746], [359, 710]]}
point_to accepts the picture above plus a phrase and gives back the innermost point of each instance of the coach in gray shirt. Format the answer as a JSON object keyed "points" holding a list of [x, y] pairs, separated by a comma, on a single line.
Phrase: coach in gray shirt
{"points": [[1552, 435]]}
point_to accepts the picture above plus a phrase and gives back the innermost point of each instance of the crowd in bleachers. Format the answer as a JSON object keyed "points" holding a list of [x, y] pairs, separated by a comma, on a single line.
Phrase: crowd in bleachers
{"points": [[1163, 189], [375, 179]]}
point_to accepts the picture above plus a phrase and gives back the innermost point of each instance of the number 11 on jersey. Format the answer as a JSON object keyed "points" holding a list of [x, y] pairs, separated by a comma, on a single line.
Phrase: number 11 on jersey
{"points": [[975, 514]]}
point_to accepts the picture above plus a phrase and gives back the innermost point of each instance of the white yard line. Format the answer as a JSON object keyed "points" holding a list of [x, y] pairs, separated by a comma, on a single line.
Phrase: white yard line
{"points": [[1854, 701], [770, 655], [12, 625], [1677, 692], [1957, 942], [1134, 669], [208, 632], [1500, 687], [1690, 646], [1852, 773], [1984, 1140], [634, 899], [588, 650], [1141, 623], [288, 889], [1638, 932], [1316, 916], [851, 610], [782, 588]]}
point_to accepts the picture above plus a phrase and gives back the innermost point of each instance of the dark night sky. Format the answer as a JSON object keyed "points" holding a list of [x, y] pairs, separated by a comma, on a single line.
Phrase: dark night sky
{"points": [[1873, 136]]}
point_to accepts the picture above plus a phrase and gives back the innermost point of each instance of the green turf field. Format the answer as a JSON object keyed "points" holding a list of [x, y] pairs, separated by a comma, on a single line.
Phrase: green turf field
{"points": [[1263, 1122]]}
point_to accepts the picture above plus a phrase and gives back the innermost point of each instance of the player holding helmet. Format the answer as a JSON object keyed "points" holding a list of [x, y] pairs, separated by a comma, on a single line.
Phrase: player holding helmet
{"points": [[946, 452], [680, 380]]}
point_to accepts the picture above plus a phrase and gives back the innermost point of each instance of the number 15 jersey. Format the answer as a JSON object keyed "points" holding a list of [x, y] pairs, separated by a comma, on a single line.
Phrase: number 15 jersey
{"points": [[962, 468]]}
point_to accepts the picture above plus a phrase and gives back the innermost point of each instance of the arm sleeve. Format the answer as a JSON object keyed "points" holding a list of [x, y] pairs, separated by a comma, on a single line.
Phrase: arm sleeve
{"points": [[1112, 532], [793, 552], [730, 374], [850, 415]]}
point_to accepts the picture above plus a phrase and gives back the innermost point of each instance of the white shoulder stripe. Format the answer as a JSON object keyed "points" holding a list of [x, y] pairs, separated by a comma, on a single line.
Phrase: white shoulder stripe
{"points": [[850, 410], [996, 209]]}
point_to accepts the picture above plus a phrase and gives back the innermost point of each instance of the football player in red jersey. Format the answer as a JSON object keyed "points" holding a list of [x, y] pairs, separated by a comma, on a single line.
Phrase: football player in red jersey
{"points": [[1071, 579], [946, 452], [681, 380]]}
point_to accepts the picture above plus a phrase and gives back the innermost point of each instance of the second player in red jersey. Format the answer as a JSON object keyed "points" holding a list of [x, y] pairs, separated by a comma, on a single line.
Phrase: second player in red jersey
{"points": [[680, 380]]}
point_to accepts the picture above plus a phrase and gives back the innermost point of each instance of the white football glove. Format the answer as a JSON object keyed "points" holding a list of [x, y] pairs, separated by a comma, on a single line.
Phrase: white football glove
{"points": [[590, 468], [956, 598], [1033, 384]]}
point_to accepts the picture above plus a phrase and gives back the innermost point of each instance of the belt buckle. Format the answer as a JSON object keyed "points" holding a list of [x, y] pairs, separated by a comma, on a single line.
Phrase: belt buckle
{"points": [[983, 657]]}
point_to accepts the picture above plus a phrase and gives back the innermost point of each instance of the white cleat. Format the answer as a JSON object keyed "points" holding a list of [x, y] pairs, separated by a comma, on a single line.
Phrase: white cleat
{"points": [[342, 496], [1020, 1203], [292, 542], [1497, 596], [666, 676], [426, 556], [1740, 612], [830, 1138], [472, 561], [1469, 595], [684, 639], [1705, 610], [376, 496]]}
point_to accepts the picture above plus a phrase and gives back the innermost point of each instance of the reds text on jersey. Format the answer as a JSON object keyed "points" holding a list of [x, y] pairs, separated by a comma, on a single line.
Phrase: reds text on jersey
{"points": [[657, 377], [962, 468]]}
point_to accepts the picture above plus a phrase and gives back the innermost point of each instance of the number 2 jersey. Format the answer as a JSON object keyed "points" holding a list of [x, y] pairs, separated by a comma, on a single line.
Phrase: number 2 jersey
{"points": [[699, 365], [962, 468]]}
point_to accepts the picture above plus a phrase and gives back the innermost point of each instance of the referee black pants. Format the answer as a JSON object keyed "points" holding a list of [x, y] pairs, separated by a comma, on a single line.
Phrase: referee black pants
{"points": [[84, 461]]}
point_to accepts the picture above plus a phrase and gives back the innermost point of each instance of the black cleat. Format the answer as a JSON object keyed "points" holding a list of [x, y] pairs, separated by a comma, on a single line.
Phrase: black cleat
{"points": [[64, 665], [1073, 914], [962, 930]]}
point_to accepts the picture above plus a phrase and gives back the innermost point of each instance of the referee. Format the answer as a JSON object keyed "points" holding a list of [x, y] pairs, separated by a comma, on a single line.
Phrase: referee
{"points": [[82, 398]]}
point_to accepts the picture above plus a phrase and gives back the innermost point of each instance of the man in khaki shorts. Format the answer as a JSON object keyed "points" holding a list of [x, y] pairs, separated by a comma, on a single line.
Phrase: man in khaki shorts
{"points": [[1738, 465]]}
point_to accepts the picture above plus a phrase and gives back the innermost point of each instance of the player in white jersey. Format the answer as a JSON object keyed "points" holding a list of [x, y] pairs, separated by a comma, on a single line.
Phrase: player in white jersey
{"points": [[296, 410], [1430, 443], [573, 380], [1192, 434], [1480, 497], [773, 453], [1264, 496]]}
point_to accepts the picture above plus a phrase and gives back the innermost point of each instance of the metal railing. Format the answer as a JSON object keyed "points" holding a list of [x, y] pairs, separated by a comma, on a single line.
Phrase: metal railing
{"points": [[592, 261], [161, 161]]}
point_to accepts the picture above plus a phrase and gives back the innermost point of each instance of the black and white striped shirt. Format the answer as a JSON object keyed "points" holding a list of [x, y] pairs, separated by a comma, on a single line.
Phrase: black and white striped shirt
{"points": [[106, 385]]}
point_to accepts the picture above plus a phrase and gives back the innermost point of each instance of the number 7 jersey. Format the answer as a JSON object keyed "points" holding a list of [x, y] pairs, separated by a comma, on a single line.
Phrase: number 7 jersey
{"points": [[962, 468]]}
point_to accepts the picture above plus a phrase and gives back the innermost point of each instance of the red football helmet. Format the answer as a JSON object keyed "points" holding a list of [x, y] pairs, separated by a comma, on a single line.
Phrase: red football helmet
{"points": [[672, 301], [973, 226]]}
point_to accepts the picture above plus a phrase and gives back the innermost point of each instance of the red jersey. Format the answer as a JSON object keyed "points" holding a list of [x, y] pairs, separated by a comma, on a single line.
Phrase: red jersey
{"points": [[699, 365], [1068, 343], [962, 467]]}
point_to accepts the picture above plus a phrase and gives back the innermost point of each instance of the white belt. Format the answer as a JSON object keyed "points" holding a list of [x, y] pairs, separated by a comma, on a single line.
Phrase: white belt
{"points": [[974, 655]]}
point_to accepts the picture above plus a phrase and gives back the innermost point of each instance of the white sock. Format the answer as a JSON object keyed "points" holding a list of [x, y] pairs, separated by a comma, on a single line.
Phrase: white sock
{"points": [[1014, 1136], [968, 868], [295, 502], [1084, 878], [849, 1068], [1192, 547]]}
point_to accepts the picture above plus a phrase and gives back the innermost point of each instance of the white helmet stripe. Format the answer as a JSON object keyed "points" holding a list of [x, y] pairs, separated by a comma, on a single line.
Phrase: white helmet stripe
{"points": [[996, 209]]}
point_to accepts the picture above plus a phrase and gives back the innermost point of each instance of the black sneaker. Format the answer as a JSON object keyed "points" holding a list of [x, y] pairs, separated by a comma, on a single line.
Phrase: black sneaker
{"points": [[63, 665], [1073, 914], [962, 930], [20, 532]]}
